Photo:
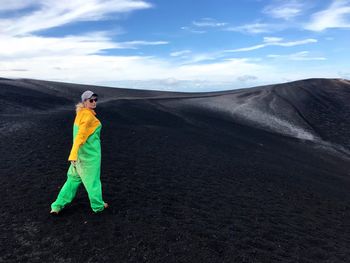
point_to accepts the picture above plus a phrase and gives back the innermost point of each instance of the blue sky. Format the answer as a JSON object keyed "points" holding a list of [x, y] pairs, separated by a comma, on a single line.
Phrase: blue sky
{"points": [[178, 45]]}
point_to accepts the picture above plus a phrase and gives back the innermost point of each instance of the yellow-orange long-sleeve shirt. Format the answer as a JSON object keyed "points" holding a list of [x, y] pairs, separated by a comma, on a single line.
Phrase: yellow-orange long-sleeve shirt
{"points": [[85, 125]]}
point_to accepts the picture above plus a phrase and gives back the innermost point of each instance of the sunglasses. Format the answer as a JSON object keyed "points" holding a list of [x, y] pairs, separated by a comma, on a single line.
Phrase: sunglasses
{"points": [[92, 100]]}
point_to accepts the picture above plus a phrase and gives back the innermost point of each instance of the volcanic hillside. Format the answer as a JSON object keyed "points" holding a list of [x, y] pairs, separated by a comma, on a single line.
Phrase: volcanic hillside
{"points": [[250, 175]]}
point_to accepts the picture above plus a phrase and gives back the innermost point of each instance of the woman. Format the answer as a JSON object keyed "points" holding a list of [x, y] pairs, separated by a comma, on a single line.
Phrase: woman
{"points": [[85, 157]]}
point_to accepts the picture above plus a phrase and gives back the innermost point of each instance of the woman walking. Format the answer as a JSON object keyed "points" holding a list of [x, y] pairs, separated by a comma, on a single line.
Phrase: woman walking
{"points": [[85, 157]]}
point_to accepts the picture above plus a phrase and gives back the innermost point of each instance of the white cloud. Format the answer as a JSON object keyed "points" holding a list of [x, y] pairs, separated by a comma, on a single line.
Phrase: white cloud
{"points": [[36, 46], [245, 78], [198, 26], [136, 43], [285, 10], [248, 48], [155, 73], [269, 41], [255, 28], [14, 5], [201, 57], [96, 69], [335, 16], [272, 39], [299, 56], [190, 29], [295, 43], [208, 22], [183, 85], [204, 57], [226, 70], [180, 53], [18, 39], [10, 5], [52, 13]]}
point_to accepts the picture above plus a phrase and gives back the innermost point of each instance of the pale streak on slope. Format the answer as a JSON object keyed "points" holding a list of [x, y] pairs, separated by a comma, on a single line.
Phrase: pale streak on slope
{"points": [[262, 111]]}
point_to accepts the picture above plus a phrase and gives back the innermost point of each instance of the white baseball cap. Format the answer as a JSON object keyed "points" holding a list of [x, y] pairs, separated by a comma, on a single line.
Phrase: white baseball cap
{"points": [[87, 95]]}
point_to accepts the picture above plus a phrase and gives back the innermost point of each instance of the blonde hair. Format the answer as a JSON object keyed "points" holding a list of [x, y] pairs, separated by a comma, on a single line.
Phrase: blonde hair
{"points": [[79, 107]]}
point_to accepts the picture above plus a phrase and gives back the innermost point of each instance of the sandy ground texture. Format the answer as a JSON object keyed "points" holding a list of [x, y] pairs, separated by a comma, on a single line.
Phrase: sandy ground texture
{"points": [[252, 175]]}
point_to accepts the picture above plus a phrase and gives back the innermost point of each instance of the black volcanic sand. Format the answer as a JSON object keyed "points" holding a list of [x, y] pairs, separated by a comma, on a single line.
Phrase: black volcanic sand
{"points": [[186, 182]]}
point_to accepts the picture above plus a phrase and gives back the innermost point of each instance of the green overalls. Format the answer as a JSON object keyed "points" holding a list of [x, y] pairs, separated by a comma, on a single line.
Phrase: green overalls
{"points": [[86, 151]]}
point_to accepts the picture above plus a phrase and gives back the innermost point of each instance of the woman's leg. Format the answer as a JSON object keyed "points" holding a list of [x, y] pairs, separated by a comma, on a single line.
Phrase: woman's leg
{"points": [[90, 176], [68, 190]]}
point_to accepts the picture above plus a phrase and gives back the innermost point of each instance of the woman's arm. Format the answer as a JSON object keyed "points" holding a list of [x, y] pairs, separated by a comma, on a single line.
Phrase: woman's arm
{"points": [[82, 135]]}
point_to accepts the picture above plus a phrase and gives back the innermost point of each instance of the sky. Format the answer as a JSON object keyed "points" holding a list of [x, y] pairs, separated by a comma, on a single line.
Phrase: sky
{"points": [[182, 45]]}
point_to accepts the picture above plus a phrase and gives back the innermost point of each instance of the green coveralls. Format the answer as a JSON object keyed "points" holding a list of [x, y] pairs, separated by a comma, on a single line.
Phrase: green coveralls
{"points": [[87, 169]]}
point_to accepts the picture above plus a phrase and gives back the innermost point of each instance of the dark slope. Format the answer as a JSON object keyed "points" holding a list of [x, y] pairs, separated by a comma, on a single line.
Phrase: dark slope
{"points": [[28, 94], [254, 175]]}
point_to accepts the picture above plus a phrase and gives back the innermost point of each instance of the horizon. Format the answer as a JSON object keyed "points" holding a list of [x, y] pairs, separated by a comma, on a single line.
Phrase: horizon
{"points": [[180, 47], [162, 90]]}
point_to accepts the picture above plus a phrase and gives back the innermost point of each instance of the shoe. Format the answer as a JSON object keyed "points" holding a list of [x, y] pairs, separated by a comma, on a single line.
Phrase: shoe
{"points": [[53, 212], [106, 206]]}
